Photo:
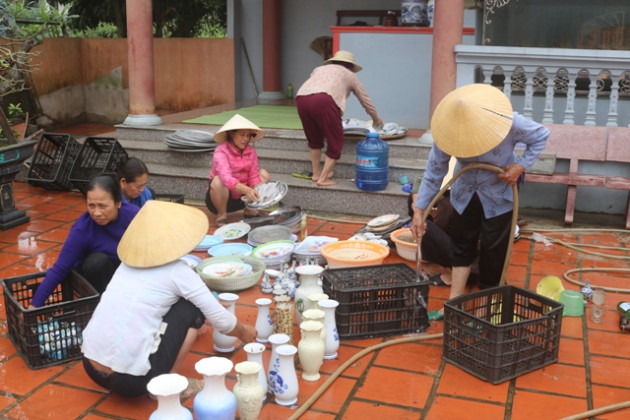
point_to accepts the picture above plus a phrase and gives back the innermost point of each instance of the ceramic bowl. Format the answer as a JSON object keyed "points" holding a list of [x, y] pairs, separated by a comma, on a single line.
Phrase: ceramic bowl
{"points": [[406, 249], [344, 254]]}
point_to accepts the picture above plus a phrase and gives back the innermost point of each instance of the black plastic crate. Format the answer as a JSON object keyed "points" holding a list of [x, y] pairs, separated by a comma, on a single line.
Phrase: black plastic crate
{"points": [[52, 161], [98, 156], [377, 300], [51, 334], [500, 333]]}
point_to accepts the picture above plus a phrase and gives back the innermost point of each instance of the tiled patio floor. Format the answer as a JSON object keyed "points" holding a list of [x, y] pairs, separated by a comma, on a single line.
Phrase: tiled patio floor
{"points": [[408, 381]]}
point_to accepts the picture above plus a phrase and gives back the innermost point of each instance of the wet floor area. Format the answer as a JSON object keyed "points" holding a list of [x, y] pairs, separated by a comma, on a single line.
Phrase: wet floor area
{"points": [[402, 381]]}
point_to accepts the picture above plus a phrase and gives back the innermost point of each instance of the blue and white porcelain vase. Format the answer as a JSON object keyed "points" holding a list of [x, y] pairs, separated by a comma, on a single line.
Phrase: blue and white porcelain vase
{"points": [[329, 306], [431, 11], [414, 13], [167, 389], [286, 382], [214, 401], [264, 323], [276, 341]]}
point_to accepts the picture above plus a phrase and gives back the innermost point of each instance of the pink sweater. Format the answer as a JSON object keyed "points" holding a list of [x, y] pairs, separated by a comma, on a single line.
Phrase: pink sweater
{"points": [[338, 82], [232, 166]]}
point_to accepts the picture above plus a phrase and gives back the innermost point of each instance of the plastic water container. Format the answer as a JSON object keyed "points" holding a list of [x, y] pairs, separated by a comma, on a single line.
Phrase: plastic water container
{"points": [[372, 165]]}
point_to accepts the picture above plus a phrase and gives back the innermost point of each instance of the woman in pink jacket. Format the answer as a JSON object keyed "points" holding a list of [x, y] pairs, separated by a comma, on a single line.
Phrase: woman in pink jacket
{"points": [[235, 169]]}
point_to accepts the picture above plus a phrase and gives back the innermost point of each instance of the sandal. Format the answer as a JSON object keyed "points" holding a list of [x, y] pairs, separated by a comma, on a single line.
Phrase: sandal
{"points": [[221, 222], [436, 315], [436, 280]]}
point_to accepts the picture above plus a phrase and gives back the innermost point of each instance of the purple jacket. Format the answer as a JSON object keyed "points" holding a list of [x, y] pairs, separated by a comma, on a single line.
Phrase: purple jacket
{"points": [[85, 237]]}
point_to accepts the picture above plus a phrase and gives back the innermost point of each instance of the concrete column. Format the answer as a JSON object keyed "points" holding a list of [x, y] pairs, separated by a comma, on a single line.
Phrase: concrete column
{"points": [[140, 62], [447, 32], [272, 88]]}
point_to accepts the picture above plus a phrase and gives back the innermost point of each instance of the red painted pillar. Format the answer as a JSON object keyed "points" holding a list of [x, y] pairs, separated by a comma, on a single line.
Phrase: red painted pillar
{"points": [[272, 88], [140, 62], [447, 32]]}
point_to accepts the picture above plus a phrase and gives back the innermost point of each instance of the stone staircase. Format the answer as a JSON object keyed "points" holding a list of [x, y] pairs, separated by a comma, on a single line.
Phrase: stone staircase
{"points": [[281, 152]]}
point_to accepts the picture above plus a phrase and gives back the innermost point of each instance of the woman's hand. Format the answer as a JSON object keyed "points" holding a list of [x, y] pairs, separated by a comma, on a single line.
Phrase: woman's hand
{"points": [[252, 195], [245, 333], [418, 226], [512, 173]]}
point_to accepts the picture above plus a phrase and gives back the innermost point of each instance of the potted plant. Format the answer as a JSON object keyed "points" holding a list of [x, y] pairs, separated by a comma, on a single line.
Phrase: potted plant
{"points": [[16, 42]]}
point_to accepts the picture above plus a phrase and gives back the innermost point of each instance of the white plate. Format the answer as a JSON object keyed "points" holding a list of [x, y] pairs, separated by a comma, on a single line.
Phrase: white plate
{"points": [[228, 269], [233, 231], [386, 219], [274, 249]]}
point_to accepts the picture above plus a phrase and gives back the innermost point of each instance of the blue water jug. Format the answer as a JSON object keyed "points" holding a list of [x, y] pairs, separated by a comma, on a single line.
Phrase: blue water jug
{"points": [[372, 163]]}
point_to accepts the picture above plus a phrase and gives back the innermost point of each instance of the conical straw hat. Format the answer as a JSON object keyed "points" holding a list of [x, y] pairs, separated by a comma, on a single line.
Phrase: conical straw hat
{"points": [[160, 233], [471, 120], [237, 122], [346, 57]]}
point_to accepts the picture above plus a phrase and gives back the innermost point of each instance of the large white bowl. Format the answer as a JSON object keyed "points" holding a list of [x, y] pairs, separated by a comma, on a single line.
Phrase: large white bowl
{"points": [[406, 250]]}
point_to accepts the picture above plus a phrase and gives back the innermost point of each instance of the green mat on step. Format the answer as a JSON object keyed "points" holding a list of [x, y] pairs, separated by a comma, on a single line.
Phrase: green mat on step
{"points": [[264, 116]]}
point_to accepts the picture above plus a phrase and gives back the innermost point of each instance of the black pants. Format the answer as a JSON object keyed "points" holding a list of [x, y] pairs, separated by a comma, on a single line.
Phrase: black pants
{"points": [[182, 316], [492, 235], [233, 204], [98, 269]]}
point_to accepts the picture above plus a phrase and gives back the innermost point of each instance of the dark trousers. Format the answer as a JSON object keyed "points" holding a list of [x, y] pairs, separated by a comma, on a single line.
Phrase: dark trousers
{"points": [[98, 269], [321, 119], [492, 235], [182, 316], [233, 204]]}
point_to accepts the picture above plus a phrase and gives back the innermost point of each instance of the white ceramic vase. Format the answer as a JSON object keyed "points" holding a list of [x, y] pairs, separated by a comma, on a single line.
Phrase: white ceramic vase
{"points": [[214, 401], [286, 382], [311, 349], [329, 306], [312, 301], [264, 323], [167, 389], [248, 391], [276, 341], [309, 277], [255, 354], [316, 315], [225, 343]]}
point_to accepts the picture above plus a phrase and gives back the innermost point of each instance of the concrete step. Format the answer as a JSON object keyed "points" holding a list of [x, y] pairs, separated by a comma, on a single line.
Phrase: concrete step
{"points": [[344, 197]]}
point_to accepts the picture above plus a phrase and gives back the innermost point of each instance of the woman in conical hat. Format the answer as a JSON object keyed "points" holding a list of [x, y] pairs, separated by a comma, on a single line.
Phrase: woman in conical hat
{"points": [[151, 312], [476, 123], [321, 102], [235, 170]]}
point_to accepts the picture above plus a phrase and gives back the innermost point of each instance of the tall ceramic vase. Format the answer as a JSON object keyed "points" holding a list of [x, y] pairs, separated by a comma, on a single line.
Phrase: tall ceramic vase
{"points": [[283, 316], [329, 306], [248, 391], [167, 389], [309, 277], [286, 383], [225, 343], [319, 316], [255, 354], [214, 401], [276, 341], [313, 302], [311, 349], [264, 323]]}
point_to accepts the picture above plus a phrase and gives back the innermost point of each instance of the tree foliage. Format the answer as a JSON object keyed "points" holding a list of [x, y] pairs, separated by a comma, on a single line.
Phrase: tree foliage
{"points": [[171, 18]]}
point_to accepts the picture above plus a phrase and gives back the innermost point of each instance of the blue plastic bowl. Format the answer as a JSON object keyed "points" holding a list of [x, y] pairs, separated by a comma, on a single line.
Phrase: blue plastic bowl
{"points": [[224, 250]]}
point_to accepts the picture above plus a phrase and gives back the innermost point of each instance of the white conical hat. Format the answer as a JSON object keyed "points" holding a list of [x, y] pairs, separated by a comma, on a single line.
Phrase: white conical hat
{"points": [[471, 120], [160, 233], [238, 122]]}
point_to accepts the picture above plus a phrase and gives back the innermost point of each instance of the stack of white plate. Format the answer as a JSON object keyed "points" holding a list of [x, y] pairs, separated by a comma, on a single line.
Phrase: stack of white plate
{"points": [[263, 234], [190, 141], [382, 223]]}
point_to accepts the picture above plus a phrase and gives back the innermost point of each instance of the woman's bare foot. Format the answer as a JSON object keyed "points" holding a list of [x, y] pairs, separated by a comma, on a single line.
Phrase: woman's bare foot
{"points": [[326, 183], [315, 178]]}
